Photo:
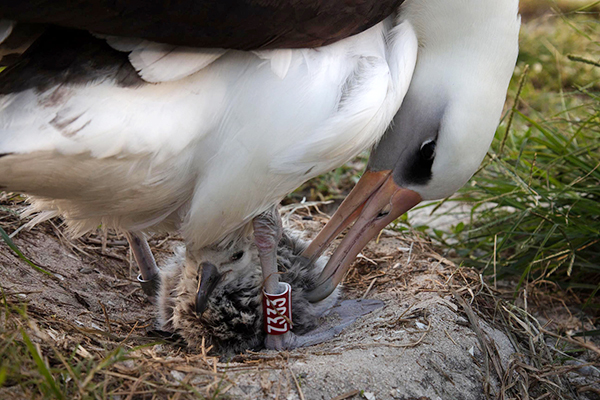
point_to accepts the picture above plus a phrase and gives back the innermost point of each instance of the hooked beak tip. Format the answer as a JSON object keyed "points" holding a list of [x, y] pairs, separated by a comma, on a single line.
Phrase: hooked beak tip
{"points": [[209, 279], [386, 202]]}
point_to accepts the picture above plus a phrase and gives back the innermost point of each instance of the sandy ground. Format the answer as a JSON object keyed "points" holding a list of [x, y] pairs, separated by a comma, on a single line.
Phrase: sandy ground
{"points": [[430, 341]]}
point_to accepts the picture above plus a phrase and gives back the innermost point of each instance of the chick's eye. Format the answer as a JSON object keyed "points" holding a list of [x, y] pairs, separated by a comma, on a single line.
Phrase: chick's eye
{"points": [[237, 256], [428, 150]]}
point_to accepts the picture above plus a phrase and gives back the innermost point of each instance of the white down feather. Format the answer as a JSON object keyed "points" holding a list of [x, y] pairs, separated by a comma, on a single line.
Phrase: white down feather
{"points": [[156, 62]]}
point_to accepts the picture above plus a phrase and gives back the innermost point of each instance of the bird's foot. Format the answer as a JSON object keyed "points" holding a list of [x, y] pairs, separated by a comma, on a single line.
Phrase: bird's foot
{"points": [[334, 321], [281, 342]]}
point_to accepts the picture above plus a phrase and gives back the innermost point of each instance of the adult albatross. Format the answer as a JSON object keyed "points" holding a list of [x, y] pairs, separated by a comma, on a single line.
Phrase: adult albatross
{"points": [[137, 135]]}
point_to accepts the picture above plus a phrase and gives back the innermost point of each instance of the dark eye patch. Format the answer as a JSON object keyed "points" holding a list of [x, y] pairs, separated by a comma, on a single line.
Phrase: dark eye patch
{"points": [[417, 170]]}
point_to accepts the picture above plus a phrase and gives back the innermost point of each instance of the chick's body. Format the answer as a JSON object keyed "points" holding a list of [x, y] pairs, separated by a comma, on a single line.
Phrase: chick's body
{"points": [[233, 319]]}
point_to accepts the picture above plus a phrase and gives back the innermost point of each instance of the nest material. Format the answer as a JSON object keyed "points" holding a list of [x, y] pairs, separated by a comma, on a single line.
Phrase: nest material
{"points": [[89, 327]]}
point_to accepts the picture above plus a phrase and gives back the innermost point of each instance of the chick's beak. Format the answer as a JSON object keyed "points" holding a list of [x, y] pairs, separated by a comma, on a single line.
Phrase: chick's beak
{"points": [[209, 278], [375, 201]]}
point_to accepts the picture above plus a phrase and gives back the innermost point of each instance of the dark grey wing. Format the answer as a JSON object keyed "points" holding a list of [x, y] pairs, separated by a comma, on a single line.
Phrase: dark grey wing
{"points": [[238, 24], [55, 55]]}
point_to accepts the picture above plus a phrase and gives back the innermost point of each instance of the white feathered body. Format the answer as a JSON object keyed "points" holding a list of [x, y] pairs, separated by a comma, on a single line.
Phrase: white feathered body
{"points": [[220, 136], [212, 149]]}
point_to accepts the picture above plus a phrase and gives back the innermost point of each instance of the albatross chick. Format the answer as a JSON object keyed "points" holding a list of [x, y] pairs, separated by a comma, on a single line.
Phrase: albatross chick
{"points": [[232, 319]]}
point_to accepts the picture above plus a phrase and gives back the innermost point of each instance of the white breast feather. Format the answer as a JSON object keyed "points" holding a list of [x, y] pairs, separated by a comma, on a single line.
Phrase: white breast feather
{"points": [[305, 130], [373, 93]]}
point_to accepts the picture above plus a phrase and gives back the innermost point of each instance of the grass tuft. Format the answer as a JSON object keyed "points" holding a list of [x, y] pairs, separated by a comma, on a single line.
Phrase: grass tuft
{"points": [[41, 366], [36, 368]]}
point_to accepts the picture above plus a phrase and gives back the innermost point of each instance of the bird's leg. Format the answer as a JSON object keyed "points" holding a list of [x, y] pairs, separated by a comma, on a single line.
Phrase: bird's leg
{"points": [[148, 276], [267, 233]]}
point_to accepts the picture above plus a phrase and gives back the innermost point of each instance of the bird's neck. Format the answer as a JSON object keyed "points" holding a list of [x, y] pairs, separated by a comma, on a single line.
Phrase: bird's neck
{"points": [[445, 24]]}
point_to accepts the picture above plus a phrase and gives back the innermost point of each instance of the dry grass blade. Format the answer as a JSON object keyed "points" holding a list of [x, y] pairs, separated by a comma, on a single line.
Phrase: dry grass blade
{"points": [[346, 395], [298, 387], [577, 341], [485, 344]]}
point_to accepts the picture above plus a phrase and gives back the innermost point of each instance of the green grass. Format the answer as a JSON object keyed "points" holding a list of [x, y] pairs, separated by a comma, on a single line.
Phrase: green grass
{"points": [[536, 200], [40, 370]]}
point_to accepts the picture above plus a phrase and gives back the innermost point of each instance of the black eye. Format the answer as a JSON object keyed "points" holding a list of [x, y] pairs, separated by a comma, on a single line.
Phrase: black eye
{"points": [[428, 150], [237, 256]]}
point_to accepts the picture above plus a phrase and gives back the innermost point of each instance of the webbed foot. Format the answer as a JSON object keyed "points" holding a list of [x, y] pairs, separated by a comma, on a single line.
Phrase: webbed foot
{"points": [[332, 323]]}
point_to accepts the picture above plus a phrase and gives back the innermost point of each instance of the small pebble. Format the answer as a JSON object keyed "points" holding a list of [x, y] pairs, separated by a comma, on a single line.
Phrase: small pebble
{"points": [[177, 375]]}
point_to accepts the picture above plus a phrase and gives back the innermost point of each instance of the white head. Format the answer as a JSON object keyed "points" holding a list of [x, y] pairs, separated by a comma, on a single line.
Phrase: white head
{"points": [[194, 288], [467, 53]]}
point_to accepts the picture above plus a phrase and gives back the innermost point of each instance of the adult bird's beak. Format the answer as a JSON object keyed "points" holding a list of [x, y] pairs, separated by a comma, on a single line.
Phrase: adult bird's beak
{"points": [[209, 278], [375, 201]]}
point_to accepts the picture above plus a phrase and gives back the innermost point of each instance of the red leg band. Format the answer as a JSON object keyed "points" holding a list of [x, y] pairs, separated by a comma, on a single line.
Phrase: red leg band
{"points": [[277, 310]]}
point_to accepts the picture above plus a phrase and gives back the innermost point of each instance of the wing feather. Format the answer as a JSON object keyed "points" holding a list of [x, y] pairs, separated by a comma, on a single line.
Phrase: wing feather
{"points": [[370, 96], [156, 62], [280, 60], [240, 24]]}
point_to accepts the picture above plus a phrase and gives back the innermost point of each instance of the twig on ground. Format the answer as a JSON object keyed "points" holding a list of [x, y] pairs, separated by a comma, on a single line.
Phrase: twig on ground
{"points": [[369, 288], [300, 393], [346, 395], [577, 341], [106, 317]]}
